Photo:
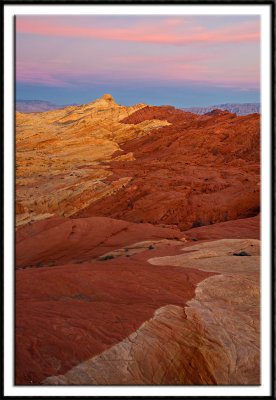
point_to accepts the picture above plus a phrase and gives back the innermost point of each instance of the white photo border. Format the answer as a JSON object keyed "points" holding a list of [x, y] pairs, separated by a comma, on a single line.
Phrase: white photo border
{"points": [[265, 10]]}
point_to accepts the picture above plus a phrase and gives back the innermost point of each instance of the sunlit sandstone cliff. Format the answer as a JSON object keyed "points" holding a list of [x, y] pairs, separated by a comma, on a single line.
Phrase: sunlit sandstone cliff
{"points": [[62, 156], [140, 163]]}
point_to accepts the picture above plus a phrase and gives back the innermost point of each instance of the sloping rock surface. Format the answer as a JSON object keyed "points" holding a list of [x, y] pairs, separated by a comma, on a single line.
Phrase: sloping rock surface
{"points": [[60, 156], [213, 340], [140, 164], [198, 170]]}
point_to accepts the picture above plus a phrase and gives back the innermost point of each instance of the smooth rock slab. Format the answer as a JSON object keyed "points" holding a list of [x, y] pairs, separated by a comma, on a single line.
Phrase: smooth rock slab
{"points": [[213, 340]]}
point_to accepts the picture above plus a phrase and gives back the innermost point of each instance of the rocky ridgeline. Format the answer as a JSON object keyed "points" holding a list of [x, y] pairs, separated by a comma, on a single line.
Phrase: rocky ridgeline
{"points": [[196, 170]]}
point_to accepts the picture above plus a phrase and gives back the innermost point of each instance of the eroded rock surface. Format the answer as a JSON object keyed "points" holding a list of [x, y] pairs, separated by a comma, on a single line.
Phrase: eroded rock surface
{"points": [[213, 340], [140, 163], [199, 170], [239, 229], [57, 241], [59, 156], [69, 313]]}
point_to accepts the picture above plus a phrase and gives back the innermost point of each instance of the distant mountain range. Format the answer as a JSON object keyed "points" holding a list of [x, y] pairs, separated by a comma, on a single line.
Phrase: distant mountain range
{"points": [[239, 109], [28, 106]]}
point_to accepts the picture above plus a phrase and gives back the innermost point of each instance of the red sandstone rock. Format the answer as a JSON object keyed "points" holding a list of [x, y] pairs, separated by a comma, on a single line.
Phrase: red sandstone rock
{"points": [[67, 314], [197, 171], [240, 228], [62, 240], [214, 339]]}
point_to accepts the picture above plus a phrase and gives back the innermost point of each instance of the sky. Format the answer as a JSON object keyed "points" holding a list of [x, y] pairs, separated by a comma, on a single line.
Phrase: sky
{"points": [[178, 60]]}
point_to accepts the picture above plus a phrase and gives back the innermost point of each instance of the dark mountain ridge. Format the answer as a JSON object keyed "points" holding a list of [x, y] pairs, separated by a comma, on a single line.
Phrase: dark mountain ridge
{"points": [[236, 108]]}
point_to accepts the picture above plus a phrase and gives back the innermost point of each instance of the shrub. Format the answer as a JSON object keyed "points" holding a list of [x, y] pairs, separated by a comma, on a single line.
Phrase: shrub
{"points": [[242, 253], [197, 223], [107, 257]]}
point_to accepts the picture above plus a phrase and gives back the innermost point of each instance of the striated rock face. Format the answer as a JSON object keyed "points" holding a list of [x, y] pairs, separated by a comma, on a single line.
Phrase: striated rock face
{"points": [[62, 156], [140, 163], [213, 340], [198, 170]]}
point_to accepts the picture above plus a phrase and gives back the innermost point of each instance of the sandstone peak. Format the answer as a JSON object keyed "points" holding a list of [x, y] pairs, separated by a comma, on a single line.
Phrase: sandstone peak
{"points": [[106, 100], [107, 97]]}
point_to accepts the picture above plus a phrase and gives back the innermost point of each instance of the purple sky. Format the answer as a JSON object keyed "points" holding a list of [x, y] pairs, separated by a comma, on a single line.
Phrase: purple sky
{"points": [[178, 60]]}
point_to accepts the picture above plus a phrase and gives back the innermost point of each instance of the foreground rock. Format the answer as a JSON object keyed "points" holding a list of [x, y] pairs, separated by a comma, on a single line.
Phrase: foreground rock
{"points": [[213, 340], [70, 313]]}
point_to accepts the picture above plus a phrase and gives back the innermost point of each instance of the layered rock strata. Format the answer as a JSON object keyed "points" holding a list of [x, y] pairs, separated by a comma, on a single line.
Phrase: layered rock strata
{"points": [[60, 155], [199, 170], [142, 164]]}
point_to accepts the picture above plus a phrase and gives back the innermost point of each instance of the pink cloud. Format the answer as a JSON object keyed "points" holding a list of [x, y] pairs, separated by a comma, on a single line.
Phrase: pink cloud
{"points": [[46, 62], [159, 33], [141, 66], [62, 71], [138, 68], [40, 77]]}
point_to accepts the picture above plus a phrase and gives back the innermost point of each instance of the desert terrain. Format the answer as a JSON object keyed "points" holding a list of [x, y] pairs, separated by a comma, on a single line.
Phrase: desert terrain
{"points": [[137, 246]]}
